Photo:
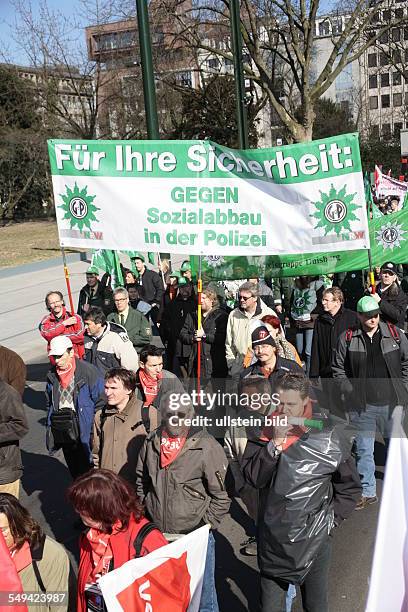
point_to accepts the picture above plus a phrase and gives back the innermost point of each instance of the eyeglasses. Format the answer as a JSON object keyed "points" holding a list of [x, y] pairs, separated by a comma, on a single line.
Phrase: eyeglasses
{"points": [[245, 299], [54, 303], [120, 300]]}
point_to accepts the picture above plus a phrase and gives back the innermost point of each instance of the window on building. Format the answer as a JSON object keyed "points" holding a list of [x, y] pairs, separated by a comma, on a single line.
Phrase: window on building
{"points": [[386, 130], [399, 13], [396, 56], [246, 59], [396, 78], [213, 63], [396, 34], [385, 101], [228, 62], [397, 99], [384, 59], [405, 33], [184, 78], [377, 17], [384, 38], [324, 28], [386, 15], [373, 102], [375, 131], [406, 56], [372, 81], [397, 130], [337, 26], [406, 76], [385, 80], [372, 60]]}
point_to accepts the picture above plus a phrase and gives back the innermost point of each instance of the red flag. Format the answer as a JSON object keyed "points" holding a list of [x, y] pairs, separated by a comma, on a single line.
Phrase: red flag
{"points": [[10, 583], [165, 588]]}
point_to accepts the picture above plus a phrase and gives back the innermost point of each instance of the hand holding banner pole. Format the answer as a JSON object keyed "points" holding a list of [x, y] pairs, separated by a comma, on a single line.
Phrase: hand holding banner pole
{"points": [[66, 273]]}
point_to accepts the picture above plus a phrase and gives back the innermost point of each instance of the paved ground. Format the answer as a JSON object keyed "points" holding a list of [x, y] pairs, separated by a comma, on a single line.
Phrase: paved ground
{"points": [[45, 478]]}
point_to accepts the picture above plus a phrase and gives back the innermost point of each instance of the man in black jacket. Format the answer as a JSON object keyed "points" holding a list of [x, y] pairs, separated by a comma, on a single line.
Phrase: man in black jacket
{"points": [[95, 293], [370, 365], [328, 326], [392, 300], [13, 427], [308, 484], [268, 363], [172, 321], [152, 284]]}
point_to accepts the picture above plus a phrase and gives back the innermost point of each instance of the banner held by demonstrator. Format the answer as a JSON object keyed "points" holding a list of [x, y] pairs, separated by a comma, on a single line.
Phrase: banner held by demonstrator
{"points": [[197, 196]]}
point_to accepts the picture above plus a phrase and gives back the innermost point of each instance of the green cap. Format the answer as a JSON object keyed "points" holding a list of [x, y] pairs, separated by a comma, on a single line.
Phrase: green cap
{"points": [[367, 305], [138, 256], [185, 266], [182, 281], [93, 270]]}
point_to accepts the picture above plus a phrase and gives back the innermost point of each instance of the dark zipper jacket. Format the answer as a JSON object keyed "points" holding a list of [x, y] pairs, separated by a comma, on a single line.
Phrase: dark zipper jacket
{"points": [[327, 330], [350, 362], [13, 427], [189, 492]]}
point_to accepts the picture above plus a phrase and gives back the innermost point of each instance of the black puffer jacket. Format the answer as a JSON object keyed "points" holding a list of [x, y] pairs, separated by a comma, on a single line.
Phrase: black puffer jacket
{"points": [[393, 304], [304, 492], [13, 427], [326, 332], [173, 318], [214, 362]]}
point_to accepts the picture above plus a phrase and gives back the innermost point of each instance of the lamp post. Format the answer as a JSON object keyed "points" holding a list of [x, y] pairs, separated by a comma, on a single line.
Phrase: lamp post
{"points": [[149, 88], [236, 40]]}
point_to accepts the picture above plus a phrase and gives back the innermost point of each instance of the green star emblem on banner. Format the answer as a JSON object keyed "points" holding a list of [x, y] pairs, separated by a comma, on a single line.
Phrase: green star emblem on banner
{"points": [[301, 302], [335, 210], [78, 207]]}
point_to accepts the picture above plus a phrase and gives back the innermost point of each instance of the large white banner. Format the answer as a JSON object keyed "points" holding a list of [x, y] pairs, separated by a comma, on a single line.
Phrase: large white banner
{"points": [[389, 574], [197, 197], [168, 579]]}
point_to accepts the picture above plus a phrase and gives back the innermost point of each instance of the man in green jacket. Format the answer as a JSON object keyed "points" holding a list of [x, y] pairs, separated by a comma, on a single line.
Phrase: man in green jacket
{"points": [[137, 326]]}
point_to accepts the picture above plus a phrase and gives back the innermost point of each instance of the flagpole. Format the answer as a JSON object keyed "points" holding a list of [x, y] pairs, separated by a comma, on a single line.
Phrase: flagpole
{"points": [[370, 261], [68, 283], [199, 291]]}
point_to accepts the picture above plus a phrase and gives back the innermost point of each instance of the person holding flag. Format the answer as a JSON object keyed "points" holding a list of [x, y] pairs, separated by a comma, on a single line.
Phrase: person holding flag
{"points": [[308, 484], [392, 300]]}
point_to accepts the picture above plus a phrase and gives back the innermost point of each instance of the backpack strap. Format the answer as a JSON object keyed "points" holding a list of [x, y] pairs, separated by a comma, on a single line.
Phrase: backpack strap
{"points": [[102, 435], [38, 576], [349, 335], [394, 332], [142, 535]]}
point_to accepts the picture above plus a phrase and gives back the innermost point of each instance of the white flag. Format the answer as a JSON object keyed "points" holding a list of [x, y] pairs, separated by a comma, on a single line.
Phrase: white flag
{"points": [[168, 579], [389, 574]]}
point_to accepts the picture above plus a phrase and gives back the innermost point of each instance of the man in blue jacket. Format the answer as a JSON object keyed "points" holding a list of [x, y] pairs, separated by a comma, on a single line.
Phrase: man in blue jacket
{"points": [[75, 391]]}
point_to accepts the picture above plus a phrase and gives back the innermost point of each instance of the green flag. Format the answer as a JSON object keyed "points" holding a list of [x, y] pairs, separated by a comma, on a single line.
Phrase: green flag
{"points": [[109, 262], [369, 198], [151, 257], [388, 238]]}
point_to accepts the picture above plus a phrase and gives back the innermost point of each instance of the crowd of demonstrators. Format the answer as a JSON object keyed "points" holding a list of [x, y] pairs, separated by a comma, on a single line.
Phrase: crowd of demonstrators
{"points": [[145, 475]]}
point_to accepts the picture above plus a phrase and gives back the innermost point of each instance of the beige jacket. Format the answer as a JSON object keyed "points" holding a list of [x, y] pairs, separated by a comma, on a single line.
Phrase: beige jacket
{"points": [[53, 565], [117, 444], [238, 338]]}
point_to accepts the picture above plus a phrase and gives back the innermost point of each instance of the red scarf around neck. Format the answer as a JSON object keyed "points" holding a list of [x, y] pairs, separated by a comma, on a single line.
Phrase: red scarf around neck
{"points": [[65, 376], [170, 448], [101, 550], [150, 386]]}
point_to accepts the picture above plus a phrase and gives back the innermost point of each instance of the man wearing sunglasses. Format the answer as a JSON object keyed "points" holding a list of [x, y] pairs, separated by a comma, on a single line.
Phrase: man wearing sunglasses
{"points": [[392, 300], [239, 328], [370, 364]]}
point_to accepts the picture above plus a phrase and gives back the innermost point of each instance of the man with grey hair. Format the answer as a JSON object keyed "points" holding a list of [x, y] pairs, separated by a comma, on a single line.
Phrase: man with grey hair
{"points": [[137, 326], [239, 330]]}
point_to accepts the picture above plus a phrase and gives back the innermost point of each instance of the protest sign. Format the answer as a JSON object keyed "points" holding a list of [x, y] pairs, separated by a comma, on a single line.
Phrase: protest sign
{"points": [[197, 197]]}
